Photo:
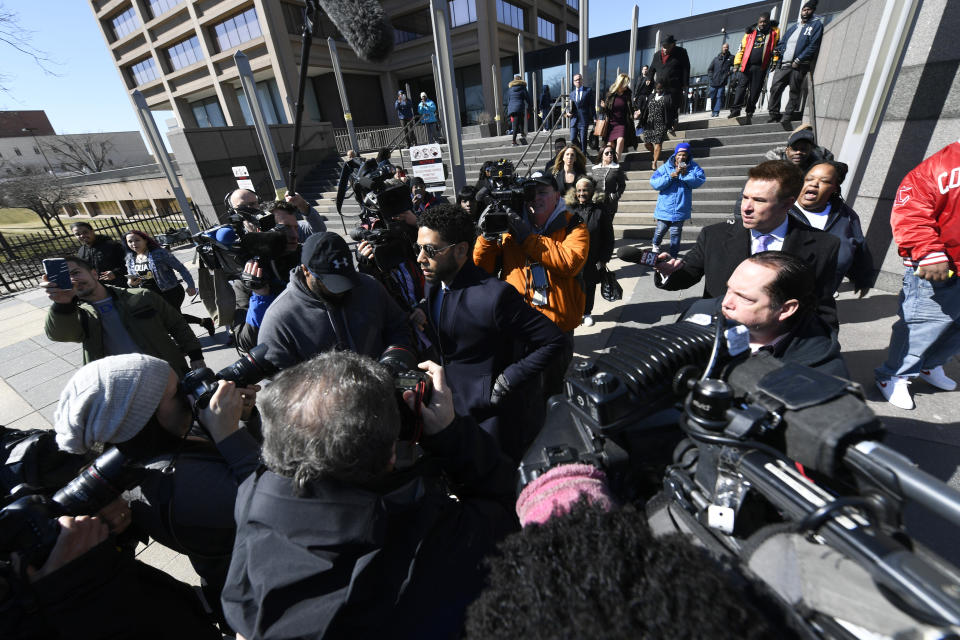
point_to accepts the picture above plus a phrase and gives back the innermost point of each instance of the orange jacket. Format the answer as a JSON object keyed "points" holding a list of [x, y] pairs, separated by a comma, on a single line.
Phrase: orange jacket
{"points": [[562, 254], [746, 47]]}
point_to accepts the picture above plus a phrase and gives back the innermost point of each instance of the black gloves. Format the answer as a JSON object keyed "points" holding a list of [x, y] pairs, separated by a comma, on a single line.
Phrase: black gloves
{"points": [[501, 389]]}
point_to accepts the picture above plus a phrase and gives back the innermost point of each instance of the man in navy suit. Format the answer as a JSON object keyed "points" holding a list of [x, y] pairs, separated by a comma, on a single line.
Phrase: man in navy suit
{"points": [[582, 112], [492, 344]]}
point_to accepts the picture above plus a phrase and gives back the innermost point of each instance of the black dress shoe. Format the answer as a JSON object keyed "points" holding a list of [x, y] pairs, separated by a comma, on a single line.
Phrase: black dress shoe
{"points": [[734, 113], [774, 118]]}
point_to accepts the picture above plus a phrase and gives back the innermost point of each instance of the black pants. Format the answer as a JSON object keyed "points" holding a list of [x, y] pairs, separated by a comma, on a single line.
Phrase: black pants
{"points": [[519, 122], [676, 98], [748, 91], [787, 76], [553, 375], [408, 132], [174, 298]]}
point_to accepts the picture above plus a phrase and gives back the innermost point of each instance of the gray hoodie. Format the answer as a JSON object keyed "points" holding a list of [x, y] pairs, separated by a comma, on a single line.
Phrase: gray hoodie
{"points": [[299, 325]]}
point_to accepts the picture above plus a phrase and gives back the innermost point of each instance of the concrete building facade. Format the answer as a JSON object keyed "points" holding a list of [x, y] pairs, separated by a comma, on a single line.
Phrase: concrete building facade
{"points": [[70, 154], [179, 54]]}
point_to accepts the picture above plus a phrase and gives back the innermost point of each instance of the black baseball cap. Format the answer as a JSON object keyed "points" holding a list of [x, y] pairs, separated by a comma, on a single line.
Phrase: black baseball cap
{"points": [[327, 258], [803, 134]]}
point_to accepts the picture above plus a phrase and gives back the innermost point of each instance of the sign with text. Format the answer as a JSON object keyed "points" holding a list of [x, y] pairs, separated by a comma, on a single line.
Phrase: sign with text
{"points": [[243, 178], [427, 161]]}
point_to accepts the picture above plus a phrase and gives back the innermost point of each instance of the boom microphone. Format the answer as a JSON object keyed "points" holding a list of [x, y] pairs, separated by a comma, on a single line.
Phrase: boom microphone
{"points": [[364, 26]]}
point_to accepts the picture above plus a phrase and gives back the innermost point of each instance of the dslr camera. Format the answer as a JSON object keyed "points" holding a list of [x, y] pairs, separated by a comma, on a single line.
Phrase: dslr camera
{"points": [[200, 384], [504, 193], [402, 363]]}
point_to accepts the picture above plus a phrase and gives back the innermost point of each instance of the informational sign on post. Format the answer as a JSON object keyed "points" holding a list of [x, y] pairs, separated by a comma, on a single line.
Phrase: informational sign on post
{"points": [[427, 161], [243, 178]]}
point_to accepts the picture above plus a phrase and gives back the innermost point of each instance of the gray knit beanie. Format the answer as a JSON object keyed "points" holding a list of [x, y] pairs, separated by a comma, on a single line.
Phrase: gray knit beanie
{"points": [[109, 400]]}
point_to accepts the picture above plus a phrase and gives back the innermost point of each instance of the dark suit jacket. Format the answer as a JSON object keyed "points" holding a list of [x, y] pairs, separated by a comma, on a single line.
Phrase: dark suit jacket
{"points": [[584, 112], [721, 247], [486, 328]]}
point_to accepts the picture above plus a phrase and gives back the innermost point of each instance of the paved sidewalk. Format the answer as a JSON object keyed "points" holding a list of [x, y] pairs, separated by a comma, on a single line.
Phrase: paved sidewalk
{"points": [[33, 370]]}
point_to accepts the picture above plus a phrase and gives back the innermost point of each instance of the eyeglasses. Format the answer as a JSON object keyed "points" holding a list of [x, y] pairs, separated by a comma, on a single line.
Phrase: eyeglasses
{"points": [[608, 153], [431, 251]]}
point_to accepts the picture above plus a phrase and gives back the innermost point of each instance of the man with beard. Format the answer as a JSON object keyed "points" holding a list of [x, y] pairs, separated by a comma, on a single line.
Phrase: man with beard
{"points": [[102, 253], [328, 305], [493, 346]]}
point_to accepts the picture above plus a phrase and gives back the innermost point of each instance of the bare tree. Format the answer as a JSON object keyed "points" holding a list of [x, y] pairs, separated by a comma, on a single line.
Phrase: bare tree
{"points": [[19, 39], [83, 153], [38, 191]]}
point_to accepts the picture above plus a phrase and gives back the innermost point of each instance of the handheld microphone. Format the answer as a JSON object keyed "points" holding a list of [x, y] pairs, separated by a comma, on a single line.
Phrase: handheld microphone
{"points": [[636, 255], [364, 26]]}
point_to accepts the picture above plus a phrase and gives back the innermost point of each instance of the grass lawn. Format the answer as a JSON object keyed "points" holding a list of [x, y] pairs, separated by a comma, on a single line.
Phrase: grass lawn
{"points": [[15, 221]]}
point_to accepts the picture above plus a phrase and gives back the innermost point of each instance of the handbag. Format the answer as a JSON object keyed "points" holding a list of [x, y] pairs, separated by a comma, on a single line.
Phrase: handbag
{"points": [[610, 289], [600, 128]]}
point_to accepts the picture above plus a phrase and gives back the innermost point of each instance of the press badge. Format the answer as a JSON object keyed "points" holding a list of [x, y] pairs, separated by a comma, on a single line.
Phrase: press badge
{"points": [[738, 339], [540, 284]]}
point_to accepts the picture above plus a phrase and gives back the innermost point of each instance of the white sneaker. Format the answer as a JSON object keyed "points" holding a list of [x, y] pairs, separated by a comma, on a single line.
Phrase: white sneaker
{"points": [[896, 390], [588, 321], [938, 378], [655, 249]]}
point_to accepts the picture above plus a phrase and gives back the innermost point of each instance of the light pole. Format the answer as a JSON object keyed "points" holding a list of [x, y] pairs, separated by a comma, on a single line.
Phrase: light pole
{"points": [[30, 130]]}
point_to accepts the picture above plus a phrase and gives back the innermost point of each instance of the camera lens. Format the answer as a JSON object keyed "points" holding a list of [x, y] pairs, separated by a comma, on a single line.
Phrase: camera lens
{"points": [[97, 486], [248, 370]]}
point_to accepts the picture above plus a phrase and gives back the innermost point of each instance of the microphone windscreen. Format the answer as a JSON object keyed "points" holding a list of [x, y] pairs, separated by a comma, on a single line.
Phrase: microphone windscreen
{"points": [[364, 26], [630, 254]]}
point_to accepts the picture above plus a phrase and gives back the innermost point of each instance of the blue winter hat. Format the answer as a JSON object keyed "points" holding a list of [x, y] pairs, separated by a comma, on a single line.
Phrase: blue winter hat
{"points": [[683, 146]]}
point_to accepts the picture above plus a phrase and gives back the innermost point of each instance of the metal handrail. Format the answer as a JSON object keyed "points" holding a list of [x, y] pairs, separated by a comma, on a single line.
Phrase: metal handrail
{"points": [[537, 135]]}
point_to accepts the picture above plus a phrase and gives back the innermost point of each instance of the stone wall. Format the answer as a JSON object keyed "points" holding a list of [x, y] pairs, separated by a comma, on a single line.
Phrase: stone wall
{"points": [[921, 114]]}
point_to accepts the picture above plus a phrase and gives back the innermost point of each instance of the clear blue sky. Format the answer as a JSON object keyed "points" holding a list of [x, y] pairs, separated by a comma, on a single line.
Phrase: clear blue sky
{"points": [[87, 95]]}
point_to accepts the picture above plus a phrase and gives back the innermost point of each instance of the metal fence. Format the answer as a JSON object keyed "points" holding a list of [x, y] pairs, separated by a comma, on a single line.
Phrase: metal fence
{"points": [[374, 138], [21, 255]]}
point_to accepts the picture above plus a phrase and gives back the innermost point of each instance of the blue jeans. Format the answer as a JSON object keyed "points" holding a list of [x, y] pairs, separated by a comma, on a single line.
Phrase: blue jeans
{"points": [[927, 333], [716, 99], [578, 136], [676, 228]]}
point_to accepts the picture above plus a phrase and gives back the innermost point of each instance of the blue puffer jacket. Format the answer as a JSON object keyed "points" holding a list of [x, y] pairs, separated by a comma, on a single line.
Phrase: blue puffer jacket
{"points": [[428, 110], [674, 202], [517, 98]]}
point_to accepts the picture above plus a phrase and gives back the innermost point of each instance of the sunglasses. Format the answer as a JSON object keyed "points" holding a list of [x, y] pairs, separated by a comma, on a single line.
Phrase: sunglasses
{"points": [[431, 251]]}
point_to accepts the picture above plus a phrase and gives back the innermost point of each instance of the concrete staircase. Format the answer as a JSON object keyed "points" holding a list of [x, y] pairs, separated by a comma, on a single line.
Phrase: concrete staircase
{"points": [[724, 148]]}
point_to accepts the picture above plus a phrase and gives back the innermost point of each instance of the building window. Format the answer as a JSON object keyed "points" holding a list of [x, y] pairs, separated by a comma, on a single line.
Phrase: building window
{"points": [[158, 7], [208, 113], [574, 4], [546, 29], [125, 23], [144, 71], [16, 150], [572, 36], [462, 12], [510, 14], [400, 36], [185, 53], [237, 30], [268, 95]]}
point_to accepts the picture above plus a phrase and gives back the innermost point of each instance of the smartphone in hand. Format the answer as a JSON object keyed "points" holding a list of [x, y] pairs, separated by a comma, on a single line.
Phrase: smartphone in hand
{"points": [[58, 272]]}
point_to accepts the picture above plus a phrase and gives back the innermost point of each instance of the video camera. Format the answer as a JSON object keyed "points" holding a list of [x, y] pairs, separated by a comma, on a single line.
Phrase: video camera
{"points": [[380, 203], [764, 449], [504, 193], [228, 248]]}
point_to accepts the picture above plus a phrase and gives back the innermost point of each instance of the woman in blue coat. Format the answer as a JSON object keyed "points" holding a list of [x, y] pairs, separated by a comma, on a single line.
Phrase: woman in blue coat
{"points": [[150, 266], [518, 101], [675, 181]]}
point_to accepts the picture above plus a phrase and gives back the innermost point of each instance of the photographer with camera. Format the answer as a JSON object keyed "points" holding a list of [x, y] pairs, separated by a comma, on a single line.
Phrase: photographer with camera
{"points": [[264, 277], [398, 272], [328, 305], [542, 253], [111, 321], [191, 458], [397, 556], [494, 346]]}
